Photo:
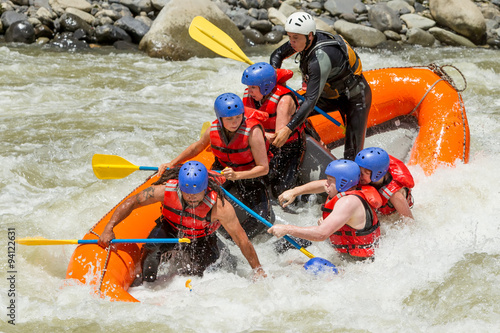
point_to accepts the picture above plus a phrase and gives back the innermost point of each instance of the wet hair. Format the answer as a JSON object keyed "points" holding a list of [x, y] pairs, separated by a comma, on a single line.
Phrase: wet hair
{"points": [[173, 173]]}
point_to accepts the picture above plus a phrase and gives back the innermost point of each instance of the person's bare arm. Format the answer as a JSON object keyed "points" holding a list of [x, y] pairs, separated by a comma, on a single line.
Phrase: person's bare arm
{"points": [[288, 197], [344, 212], [148, 196], [259, 152], [285, 110], [227, 217], [398, 200]]}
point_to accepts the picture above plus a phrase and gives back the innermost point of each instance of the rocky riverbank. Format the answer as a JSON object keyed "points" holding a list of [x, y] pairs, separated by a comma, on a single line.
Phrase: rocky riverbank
{"points": [[81, 24]]}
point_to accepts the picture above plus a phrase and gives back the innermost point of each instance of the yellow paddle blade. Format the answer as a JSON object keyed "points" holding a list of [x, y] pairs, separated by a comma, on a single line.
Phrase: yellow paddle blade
{"points": [[207, 34], [112, 166], [204, 127], [44, 241], [184, 240]]}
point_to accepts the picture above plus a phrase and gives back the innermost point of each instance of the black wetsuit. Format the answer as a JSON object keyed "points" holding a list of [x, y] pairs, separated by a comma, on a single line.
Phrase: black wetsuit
{"points": [[331, 85], [284, 167], [195, 257]]}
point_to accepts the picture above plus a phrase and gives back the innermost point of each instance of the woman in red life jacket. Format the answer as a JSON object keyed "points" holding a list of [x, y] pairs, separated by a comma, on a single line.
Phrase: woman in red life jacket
{"points": [[390, 177], [267, 92], [349, 219], [193, 207], [239, 146]]}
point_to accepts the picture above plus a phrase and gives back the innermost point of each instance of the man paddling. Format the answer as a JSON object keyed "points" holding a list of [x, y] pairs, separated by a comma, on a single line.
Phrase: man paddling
{"points": [[193, 207], [349, 219]]}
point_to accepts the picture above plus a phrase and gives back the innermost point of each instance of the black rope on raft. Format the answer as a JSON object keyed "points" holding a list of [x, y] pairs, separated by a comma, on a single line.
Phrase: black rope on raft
{"points": [[462, 112], [439, 70], [423, 97], [444, 77], [108, 250]]}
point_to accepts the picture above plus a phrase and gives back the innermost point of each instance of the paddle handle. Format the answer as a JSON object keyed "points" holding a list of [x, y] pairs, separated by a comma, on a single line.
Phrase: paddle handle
{"points": [[138, 240], [327, 116], [148, 168]]}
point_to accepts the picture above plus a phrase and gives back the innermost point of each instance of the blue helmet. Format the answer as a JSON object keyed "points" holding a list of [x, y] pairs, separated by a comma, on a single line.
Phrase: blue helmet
{"points": [[228, 105], [345, 172], [260, 74], [374, 159], [193, 177]]}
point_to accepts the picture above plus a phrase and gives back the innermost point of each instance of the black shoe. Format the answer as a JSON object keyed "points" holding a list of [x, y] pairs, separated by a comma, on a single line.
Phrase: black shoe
{"points": [[138, 281], [150, 266]]}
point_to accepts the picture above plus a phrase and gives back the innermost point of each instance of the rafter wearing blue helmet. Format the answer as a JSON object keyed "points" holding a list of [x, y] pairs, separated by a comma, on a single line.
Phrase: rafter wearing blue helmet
{"points": [[374, 159], [228, 105], [390, 177], [266, 91], [262, 75], [345, 172], [194, 212], [349, 219], [193, 177]]}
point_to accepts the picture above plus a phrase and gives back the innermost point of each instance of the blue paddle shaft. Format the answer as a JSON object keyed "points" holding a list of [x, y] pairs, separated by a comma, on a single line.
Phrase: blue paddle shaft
{"points": [[258, 217], [148, 168], [139, 240], [316, 108]]}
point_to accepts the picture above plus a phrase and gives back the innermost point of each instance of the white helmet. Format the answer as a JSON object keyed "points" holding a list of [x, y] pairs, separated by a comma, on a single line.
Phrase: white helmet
{"points": [[300, 23]]}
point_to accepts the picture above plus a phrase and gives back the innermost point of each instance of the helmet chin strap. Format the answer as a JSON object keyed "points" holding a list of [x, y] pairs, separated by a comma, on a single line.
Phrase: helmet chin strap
{"points": [[308, 42]]}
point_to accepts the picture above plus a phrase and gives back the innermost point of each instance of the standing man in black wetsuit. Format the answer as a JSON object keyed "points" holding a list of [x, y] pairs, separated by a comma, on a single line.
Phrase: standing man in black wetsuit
{"points": [[332, 78]]}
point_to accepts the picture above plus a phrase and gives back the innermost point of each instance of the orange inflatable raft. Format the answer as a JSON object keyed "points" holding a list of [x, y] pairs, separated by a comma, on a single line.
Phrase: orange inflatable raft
{"points": [[427, 94]]}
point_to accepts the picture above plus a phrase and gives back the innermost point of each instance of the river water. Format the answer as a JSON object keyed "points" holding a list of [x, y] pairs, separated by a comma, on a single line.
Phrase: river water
{"points": [[58, 109]]}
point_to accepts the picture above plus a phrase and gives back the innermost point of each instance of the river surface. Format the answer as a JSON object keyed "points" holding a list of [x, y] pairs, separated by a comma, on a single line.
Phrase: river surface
{"points": [[58, 109]]}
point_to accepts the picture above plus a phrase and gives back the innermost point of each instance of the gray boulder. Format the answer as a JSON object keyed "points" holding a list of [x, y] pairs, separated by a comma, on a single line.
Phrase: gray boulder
{"points": [[449, 38], [135, 28], [359, 35], [383, 18], [339, 7], [461, 16], [20, 32], [417, 36], [10, 17], [169, 37], [417, 21]]}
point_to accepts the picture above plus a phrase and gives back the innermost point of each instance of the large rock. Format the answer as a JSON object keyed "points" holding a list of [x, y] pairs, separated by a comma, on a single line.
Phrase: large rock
{"points": [[462, 16], [339, 7], [169, 37], [20, 32], [449, 38], [382, 17], [359, 35]]}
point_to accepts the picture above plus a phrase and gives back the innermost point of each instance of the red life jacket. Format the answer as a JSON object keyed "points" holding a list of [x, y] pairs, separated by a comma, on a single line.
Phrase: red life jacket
{"points": [[192, 222], [270, 103], [358, 243], [235, 154], [401, 178]]}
